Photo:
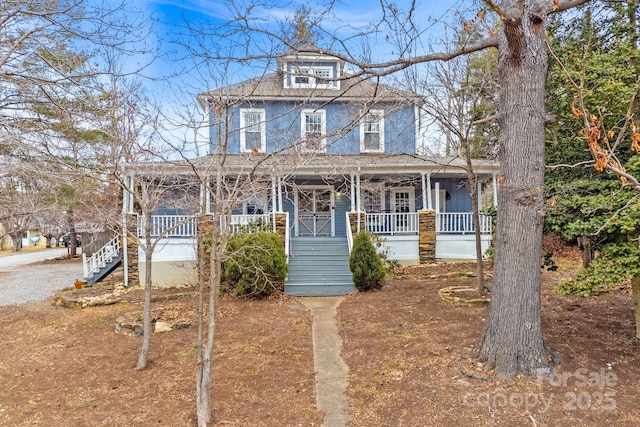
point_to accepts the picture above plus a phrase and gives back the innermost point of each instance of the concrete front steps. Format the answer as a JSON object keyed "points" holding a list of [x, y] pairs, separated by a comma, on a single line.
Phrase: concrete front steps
{"points": [[319, 266]]}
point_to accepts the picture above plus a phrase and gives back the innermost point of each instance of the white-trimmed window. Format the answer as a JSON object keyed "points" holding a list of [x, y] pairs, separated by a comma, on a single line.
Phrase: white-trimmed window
{"points": [[313, 128], [304, 76], [372, 132], [372, 198], [253, 136]]}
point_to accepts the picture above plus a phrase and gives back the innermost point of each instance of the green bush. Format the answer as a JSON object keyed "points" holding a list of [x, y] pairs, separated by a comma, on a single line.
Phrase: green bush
{"points": [[390, 265], [365, 264], [255, 264], [616, 264]]}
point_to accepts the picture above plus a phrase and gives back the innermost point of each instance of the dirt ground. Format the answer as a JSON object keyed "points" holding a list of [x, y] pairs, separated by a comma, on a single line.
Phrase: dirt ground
{"points": [[406, 348]]}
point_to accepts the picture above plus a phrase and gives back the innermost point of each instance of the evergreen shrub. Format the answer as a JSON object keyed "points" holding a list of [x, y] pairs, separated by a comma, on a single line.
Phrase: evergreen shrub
{"points": [[255, 264], [616, 264], [365, 264]]}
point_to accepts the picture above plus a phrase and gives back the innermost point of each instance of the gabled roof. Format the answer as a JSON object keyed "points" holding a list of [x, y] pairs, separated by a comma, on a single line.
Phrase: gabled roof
{"points": [[270, 86]]}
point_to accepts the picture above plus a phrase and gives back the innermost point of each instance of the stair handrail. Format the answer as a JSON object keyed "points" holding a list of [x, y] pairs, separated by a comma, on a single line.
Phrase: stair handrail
{"points": [[287, 237], [101, 257], [349, 233]]}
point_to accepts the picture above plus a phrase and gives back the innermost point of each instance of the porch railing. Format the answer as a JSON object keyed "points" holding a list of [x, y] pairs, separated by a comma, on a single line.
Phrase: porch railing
{"points": [[461, 223], [169, 226], [185, 225], [101, 257], [407, 223], [349, 233], [240, 223], [287, 238], [391, 223]]}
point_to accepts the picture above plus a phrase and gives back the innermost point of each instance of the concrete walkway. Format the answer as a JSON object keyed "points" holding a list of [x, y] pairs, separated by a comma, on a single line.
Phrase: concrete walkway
{"points": [[332, 374]]}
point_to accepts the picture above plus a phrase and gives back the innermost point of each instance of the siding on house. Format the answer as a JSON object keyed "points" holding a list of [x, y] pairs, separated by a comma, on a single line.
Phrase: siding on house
{"points": [[283, 127]]}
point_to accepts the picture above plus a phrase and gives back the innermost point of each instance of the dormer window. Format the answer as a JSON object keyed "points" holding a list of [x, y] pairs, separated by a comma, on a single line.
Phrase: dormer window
{"points": [[312, 75]]}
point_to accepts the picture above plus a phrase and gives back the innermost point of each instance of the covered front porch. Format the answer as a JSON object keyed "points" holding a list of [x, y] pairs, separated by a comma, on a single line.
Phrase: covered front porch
{"points": [[319, 198], [399, 233]]}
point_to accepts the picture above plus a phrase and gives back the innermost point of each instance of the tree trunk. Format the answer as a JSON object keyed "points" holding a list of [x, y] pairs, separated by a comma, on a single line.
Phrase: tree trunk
{"points": [[512, 338], [203, 282], [219, 237], [71, 245], [473, 185], [635, 290], [17, 240], [586, 250], [203, 385], [146, 315]]}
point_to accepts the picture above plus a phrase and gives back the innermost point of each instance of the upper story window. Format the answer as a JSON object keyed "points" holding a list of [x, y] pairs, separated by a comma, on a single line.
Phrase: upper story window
{"points": [[313, 130], [372, 132], [253, 137]]}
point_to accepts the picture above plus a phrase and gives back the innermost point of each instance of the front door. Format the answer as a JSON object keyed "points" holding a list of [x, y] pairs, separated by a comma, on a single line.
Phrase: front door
{"points": [[402, 202], [314, 213]]}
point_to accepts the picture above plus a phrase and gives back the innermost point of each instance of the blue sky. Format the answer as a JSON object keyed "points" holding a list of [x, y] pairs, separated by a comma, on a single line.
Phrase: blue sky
{"points": [[344, 20]]}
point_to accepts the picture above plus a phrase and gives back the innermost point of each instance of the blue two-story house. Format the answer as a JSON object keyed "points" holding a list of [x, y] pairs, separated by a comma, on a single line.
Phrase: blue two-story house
{"points": [[332, 154]]}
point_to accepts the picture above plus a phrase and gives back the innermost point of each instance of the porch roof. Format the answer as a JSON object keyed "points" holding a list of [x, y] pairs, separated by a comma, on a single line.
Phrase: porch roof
{"points": [[313, 165]]}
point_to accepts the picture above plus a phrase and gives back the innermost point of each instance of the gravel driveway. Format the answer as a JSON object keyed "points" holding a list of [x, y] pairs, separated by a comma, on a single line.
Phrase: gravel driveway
{"points": [[21, 283]]}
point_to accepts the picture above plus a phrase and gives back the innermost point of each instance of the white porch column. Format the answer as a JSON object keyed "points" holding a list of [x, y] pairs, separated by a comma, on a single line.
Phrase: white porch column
{"points": [[125, 195], [274, 200], [273, 203], [495, 191], [129, 184], [207, 195], [353, 194], [429, 201], [479, 193], [437, 190], [127, 206], [424, 192], [358, 201], [280, 208], [203, 197]]}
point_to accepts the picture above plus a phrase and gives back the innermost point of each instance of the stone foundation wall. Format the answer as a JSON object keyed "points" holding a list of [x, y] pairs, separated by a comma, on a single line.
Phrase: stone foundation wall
{"points": [[427, 233], [281, 226], [353, 220]]}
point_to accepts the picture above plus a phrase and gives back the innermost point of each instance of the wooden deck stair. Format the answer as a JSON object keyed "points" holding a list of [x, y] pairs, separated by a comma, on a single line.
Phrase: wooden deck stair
{"points": [[319, 266], [103, 261]]}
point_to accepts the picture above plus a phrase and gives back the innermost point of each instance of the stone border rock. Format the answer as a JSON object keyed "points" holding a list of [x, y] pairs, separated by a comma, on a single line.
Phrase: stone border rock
{"points": [[451, 294], [68, 299], [131, 324]]}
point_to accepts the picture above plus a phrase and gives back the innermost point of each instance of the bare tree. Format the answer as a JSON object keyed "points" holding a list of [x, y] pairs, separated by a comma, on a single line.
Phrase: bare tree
{"points": [[460, 96], [51, 96]]}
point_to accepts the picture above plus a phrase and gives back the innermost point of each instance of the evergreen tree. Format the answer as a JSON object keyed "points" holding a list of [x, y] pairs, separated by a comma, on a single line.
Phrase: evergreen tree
{"points": [[365, 264]]}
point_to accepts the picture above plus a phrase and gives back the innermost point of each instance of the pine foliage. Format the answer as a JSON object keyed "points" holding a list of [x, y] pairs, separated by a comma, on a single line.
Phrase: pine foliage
{"points": [[365, 264], [255, 265]]}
